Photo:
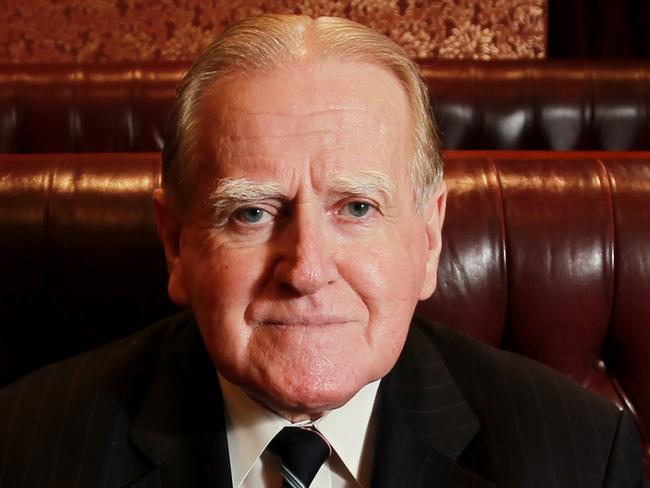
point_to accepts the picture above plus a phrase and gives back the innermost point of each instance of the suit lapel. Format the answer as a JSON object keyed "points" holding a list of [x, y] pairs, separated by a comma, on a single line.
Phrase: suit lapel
{"points": [[424, 423], [180, 425]]}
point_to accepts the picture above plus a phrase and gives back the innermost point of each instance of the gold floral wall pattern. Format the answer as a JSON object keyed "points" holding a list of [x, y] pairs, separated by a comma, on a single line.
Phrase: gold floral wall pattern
{"points": [[173, 30]]}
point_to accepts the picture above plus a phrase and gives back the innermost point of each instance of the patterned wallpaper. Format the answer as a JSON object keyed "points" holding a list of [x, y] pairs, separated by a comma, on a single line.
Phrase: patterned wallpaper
{"points": [[37, 31]]}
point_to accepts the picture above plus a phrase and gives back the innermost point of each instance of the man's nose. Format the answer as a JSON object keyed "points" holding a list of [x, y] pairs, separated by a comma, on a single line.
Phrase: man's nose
{"points": [[307, 262]]}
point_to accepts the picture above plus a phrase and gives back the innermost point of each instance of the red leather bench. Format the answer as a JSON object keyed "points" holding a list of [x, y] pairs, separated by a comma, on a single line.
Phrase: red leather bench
{"points": [[544, 253], [542, 105]]}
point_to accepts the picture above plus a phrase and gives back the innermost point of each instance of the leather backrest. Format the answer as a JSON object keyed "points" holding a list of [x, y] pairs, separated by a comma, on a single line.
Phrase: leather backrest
{"points": [[543, 105], [545, 254]]}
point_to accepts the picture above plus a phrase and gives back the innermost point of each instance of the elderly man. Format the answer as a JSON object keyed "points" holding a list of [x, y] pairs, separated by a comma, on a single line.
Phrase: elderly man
{"points": [[300, 213]]}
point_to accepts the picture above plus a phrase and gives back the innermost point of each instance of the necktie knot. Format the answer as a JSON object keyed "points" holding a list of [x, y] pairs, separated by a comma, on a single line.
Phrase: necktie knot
{"points": [[302, 451]]}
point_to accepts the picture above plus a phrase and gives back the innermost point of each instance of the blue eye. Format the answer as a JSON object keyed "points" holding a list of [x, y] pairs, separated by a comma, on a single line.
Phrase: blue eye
{"points": [[252, 215], [358, 209]]}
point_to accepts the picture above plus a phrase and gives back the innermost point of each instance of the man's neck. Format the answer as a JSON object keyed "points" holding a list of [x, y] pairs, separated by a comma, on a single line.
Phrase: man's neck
{"points": [[292, 416]]}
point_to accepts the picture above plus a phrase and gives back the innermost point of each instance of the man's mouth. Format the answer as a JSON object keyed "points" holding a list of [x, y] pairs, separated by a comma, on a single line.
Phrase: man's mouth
{"points": [[305, 321]]}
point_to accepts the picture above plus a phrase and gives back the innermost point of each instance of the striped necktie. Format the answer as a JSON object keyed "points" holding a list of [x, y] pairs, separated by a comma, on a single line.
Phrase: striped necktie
{"points": [[302, 451]]}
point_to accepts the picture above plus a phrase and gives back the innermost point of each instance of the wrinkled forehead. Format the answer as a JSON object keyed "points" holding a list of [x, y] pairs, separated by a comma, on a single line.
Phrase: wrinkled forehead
{"points": [[327, 83], [353, 109]]}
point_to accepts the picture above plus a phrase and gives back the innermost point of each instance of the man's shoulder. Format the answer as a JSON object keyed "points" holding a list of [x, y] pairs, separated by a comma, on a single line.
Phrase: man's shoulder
{"points": [[502, 374], [116, 360], [61, 421], [535, 423]]}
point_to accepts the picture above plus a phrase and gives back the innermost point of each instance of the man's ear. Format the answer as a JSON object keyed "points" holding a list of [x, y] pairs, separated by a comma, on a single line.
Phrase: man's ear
{"points": [[169, 231], [435, 216]]}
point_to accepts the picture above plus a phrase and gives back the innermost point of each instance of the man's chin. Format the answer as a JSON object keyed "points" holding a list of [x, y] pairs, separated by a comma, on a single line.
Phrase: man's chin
{"points": [[306, 403]]}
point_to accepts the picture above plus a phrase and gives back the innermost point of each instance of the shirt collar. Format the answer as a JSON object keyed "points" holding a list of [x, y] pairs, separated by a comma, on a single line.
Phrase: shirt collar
{"points": [[251, 426]]}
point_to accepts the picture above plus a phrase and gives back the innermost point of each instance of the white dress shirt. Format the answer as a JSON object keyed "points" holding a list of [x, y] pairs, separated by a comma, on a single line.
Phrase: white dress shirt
{"points": [[251, 426]]}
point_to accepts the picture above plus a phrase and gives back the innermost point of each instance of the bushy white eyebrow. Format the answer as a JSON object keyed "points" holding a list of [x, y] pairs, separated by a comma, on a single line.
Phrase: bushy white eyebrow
{"points": [[360, 183], [242, 190]]}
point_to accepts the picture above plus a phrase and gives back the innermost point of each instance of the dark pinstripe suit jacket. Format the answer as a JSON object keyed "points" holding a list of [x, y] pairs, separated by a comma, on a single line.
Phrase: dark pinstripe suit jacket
{"points": [[147, 411]]}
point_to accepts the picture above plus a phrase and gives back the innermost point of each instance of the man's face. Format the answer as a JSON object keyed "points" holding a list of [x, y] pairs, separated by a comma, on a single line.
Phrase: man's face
{"points": [[304, 255]]}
